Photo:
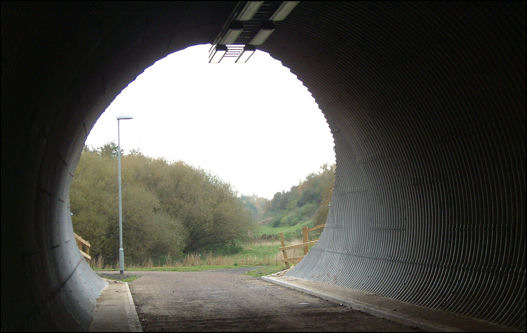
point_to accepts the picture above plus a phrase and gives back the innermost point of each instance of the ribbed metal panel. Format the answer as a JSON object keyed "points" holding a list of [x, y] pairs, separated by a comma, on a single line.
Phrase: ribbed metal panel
{"points": [[426, 102]]}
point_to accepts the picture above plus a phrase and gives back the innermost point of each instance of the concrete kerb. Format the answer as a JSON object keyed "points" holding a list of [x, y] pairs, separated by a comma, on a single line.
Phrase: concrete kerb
{"points": [[386, 308], [115, 310], [133, 318]]}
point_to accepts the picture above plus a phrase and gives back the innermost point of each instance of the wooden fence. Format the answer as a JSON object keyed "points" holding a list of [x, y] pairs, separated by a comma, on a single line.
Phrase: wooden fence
{"points": [[305, 244], [84, 247]]}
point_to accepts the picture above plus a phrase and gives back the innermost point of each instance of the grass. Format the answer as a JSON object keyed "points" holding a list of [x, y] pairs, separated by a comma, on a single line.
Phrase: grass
{"points": [[266, 270], [261, 271], [255, 253], [260, 253], [184, 268], [294, 231], [260, 249], [128, 279]]}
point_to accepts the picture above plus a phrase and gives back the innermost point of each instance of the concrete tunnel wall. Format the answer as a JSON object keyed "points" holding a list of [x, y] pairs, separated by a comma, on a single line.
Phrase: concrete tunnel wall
{"points": [[426, 102]]}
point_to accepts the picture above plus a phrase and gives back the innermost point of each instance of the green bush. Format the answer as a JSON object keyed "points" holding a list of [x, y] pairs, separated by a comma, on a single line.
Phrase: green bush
{"points": [[168, 208]]}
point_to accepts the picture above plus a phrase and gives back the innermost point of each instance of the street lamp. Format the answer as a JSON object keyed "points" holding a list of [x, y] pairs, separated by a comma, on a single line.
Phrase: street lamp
{"points": [[121, 251]]}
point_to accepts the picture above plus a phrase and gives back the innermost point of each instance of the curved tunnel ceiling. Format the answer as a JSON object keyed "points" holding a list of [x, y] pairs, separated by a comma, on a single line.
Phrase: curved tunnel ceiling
{"points": [[426, 102]]}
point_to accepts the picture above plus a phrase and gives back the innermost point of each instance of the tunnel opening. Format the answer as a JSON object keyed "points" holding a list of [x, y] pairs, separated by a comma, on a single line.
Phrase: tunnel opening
{"points": [[252, 126], [426, 102]]}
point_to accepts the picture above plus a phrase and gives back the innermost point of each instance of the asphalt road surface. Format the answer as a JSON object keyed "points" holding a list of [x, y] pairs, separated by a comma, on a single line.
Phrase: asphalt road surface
{"points": [[231, 301]]}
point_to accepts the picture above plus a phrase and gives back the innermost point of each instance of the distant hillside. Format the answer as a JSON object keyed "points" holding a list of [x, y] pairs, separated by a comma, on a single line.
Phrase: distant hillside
{"points": [[265, 221], [304, 204], [255, 204]]}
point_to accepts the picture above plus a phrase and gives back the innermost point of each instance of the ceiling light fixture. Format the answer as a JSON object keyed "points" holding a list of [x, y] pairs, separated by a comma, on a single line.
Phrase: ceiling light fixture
{"points": [[247, 13], [285, 8], [235, 29], [247, 52], [219, 53], [249, 25], [265, 31]]}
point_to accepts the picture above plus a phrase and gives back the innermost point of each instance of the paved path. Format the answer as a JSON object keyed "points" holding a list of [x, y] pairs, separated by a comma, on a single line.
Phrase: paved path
{"points": [[115, 311], [231, 301]]}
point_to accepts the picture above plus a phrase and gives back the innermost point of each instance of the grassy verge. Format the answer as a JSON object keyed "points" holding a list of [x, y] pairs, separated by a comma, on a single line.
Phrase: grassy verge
{"points": [[261, 271], [127, 279], [256, 253], [183, 268], [266, 270]]}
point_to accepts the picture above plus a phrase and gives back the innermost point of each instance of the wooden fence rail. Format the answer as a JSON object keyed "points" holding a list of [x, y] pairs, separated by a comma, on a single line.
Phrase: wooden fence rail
{"points": [[84, 247], [305, 244]]}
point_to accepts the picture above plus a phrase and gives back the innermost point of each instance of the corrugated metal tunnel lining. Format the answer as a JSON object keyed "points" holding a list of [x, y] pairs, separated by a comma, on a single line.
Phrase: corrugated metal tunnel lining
{"points": [[427, 106], [426, 102]]}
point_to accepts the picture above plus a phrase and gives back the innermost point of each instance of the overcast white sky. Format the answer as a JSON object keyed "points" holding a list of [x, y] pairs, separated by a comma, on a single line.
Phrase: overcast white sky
{"points": [[253, 125]]}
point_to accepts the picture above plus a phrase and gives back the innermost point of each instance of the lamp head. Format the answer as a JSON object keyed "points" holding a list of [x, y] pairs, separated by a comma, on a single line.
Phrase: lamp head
{"points": [[124, 117]]}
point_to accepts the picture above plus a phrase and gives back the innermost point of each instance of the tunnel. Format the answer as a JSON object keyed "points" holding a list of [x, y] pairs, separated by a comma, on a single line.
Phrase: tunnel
{"points": [[425, 101]]}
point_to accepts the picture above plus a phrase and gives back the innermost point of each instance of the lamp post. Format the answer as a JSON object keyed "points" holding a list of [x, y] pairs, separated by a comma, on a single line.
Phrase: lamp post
{"points": [[121, 251]]}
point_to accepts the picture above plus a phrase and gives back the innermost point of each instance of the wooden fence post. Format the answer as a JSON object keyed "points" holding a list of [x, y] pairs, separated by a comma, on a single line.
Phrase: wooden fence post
{"points": [[305, 244], [283, 250], [305, 236]]}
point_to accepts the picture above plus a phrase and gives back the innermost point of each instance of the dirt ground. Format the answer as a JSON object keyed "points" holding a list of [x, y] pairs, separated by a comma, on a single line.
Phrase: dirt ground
{"points": [[231, 301]]}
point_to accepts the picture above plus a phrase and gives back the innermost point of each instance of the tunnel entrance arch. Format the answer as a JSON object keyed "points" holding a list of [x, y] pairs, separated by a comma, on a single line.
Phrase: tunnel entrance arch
{"points": [[425, 101], [253, 127]]}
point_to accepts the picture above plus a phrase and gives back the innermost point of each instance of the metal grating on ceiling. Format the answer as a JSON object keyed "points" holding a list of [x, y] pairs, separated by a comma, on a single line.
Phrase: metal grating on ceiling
{"points": [[250, 27]]}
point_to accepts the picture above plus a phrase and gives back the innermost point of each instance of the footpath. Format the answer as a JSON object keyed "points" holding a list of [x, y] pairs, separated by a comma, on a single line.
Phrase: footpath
{"points": [[390, 309], [115, 310]]}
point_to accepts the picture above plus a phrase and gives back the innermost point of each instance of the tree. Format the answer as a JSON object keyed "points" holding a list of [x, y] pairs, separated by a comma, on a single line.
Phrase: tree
{"points": [[109, 149], [168, 208], [309, 200]]}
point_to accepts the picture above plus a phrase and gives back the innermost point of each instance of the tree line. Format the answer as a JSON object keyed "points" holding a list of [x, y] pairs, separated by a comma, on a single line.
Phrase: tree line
{"points": [[168, 208], [309, 200]]}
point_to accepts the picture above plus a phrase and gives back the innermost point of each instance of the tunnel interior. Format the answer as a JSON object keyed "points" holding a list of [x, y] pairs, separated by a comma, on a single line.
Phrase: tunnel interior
{"points": [[426, 103]]}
